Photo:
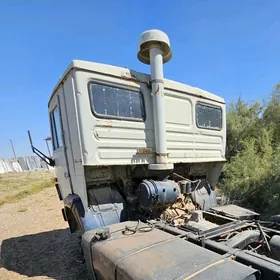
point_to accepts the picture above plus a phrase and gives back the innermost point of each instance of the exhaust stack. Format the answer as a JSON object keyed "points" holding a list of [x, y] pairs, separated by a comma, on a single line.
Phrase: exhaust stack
{"points": [[154, 49]]}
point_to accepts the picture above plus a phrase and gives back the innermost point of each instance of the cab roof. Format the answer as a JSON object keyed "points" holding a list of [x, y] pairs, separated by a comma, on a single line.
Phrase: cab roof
{"points": [[127, 74]]}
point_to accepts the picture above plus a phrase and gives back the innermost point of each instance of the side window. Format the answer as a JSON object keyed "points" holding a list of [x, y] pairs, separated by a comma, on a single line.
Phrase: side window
{"points": [[117, 103], [56, 128], [208, 116]]}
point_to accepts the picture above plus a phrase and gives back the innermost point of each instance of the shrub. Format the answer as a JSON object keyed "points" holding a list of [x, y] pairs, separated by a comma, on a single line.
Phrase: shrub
{"points": [[251, 176]]}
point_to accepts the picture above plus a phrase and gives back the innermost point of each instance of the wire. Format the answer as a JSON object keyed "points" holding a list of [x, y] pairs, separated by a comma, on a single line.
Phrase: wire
{"points": [[132, 230], [185, 178], [181, 176]]}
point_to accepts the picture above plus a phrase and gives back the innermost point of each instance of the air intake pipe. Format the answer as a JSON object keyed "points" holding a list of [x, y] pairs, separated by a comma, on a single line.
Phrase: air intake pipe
{"points": [[154, 49]]}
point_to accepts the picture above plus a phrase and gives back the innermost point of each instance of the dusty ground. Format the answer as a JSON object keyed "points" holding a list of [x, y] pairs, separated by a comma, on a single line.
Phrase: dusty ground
{"points": [[35, 242]]}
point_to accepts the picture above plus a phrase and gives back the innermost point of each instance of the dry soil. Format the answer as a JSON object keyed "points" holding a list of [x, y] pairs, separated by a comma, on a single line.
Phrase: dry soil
{"points": [[35, 242]]}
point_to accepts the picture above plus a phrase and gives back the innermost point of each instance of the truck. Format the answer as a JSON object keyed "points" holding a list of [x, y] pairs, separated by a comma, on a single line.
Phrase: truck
{"points": [[137, 160]]}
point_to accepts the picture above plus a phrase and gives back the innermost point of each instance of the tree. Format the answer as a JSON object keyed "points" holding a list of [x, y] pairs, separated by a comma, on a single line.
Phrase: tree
{"points": [[271, 115], [242, 122], [251, 176]]}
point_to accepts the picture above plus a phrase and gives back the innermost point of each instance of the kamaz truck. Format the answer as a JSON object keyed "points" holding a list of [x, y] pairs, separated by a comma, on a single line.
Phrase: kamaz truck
{"points": [[137, 159]]}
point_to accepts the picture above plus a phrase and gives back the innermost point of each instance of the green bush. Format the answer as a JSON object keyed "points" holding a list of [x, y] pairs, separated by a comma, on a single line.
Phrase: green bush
{"points": [[251, 177]]}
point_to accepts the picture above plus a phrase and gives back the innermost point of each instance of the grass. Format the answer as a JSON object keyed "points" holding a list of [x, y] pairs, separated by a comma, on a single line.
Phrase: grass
{"points": [[16, 186]]}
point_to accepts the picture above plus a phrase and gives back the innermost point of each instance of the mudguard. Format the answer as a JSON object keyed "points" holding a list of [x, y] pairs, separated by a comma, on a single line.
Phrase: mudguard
{"points": [[74, 212]]}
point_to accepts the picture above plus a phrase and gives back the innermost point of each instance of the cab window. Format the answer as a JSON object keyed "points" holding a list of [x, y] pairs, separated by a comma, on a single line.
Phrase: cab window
{"points": [[208, 116], [116, 103], [56, 128]]}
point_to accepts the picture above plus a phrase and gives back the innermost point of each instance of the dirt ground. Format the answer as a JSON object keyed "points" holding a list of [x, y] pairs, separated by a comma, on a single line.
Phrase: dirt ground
{"points": [[35, 242]]}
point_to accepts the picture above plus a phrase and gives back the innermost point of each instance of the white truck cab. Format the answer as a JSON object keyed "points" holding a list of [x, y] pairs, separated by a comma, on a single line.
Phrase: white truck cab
{"points": [[102, 120]]}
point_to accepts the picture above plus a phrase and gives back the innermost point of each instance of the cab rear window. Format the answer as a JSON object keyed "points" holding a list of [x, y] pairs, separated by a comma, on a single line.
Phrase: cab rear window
{"points": [[117, 103], [208, 116]]}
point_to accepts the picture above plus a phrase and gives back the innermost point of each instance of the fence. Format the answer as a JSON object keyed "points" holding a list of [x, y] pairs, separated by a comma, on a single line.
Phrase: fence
{"points": [[22, 164]]}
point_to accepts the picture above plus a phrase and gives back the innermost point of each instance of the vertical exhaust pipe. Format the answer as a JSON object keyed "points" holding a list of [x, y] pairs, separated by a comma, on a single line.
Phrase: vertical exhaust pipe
{"points": [[154, 49]]}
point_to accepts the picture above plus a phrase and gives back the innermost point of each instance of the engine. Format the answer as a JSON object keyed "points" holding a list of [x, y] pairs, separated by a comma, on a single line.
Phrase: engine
{"points": [[141, 194], [173, 201]]}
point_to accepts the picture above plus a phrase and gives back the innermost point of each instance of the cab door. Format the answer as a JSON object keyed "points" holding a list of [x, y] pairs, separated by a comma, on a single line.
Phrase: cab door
{"points": [[58, 130]]}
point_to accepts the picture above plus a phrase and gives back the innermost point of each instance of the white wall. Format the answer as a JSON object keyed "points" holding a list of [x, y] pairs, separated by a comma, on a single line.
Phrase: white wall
{"points": [[22, 164]]}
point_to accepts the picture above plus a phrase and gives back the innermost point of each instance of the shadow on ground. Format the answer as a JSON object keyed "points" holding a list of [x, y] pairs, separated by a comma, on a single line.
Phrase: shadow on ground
{"points": [[54, 254]]}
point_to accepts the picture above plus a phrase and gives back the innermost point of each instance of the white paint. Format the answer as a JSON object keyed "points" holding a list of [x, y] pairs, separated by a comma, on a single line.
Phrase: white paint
{"points": [[92, 141]]}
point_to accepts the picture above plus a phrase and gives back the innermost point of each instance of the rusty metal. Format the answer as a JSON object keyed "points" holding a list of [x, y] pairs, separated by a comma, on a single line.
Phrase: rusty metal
{"points": [[129, 76], [223, 230], [107, 125], [154, 255], [264, 236], [162, 154], [144, 151], [157, 92], [269, 268]]}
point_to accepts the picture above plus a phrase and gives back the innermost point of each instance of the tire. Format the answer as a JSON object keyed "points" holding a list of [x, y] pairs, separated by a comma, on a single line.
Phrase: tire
{"points": [[275, 218]]}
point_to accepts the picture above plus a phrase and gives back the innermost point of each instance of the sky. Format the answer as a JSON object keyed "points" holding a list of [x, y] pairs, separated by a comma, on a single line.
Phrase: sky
{"points": [[229, 48]]}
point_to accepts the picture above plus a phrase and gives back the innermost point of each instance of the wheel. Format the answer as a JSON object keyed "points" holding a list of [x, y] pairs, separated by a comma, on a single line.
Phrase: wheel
{"points": [[275, 218]]}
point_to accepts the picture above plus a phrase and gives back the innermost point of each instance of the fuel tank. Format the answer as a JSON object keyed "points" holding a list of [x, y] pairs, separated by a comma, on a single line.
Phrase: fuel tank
{"points": [[134, 251]]}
